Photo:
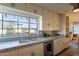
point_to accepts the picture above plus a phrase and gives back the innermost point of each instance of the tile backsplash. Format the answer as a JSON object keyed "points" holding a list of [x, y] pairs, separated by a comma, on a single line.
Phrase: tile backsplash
{"points": [[50, 32]]}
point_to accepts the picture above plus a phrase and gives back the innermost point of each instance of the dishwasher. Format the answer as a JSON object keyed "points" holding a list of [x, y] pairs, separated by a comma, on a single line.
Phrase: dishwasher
{"points": [[48, 48]]}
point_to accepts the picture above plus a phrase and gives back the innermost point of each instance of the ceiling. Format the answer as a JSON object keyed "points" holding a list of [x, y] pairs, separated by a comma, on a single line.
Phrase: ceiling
{"points": [[57, 7]]}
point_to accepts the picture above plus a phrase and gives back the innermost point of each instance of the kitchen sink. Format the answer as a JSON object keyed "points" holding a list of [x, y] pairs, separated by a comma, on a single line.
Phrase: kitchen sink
{"points": [[24, 41], [27, 40], [30, 40]]}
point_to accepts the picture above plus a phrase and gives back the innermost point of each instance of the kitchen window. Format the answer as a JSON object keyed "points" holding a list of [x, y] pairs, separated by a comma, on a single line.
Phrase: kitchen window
{"points": [[75, 28], [9, 25], [13, 25], [23, 25], [33, 26], [0, 24]]}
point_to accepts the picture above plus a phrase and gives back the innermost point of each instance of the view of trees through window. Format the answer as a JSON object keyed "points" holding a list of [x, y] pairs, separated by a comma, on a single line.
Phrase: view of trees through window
{"points": [[17, 25], [75, 28]]}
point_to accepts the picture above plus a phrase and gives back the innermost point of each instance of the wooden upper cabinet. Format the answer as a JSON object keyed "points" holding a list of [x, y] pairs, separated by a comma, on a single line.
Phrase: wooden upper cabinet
{"points": [[56, 22], [20, 6], [51, 20], [33, 8], [25, 7], [47, 20]]}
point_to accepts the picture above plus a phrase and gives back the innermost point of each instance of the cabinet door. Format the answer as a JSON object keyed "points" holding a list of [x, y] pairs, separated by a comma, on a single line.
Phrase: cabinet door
{"points": [[20, 6], [25, 51], [50, 20], [33, 50], [12, 52], [37, 50], [62, 43], [59, 45], [56, 22], [56, 46], [66, 40], [34, 9], [47, 20]]}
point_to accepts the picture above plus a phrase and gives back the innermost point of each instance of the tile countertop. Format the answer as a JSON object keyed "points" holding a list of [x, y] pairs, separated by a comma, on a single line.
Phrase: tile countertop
{"points": [[15, 43]]}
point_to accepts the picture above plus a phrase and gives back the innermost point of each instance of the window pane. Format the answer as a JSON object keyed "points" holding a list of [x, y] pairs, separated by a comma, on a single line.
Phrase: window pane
{"points": [[33, 25], [0, 24], [33, 31], [9, 31], [9, 17], [0, 28], [23, 28], [0, 16], [23, 25], [23, 19], [76, 28], [9, 24], [23, 31], [13, 24], [32, 20], [0, 31]]}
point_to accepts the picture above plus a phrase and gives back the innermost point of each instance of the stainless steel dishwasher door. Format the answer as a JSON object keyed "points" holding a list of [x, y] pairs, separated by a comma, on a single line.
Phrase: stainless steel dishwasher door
{"points": [[48, 48]]}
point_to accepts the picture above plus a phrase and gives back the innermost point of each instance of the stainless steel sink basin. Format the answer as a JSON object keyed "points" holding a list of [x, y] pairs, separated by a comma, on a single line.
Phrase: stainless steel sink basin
{"points": [[24, 41], [29, 40]]}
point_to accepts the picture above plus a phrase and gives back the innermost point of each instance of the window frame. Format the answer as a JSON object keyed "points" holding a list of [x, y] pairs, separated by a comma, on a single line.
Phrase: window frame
{"points": [[35, 28], [18, 33]]}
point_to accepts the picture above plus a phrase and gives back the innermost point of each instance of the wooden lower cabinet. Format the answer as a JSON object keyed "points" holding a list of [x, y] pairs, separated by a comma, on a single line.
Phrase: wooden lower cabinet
{"points": [[31, 50], [24, 51], [37, 49], [34, 50], [59, 45], [11, 52]]}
